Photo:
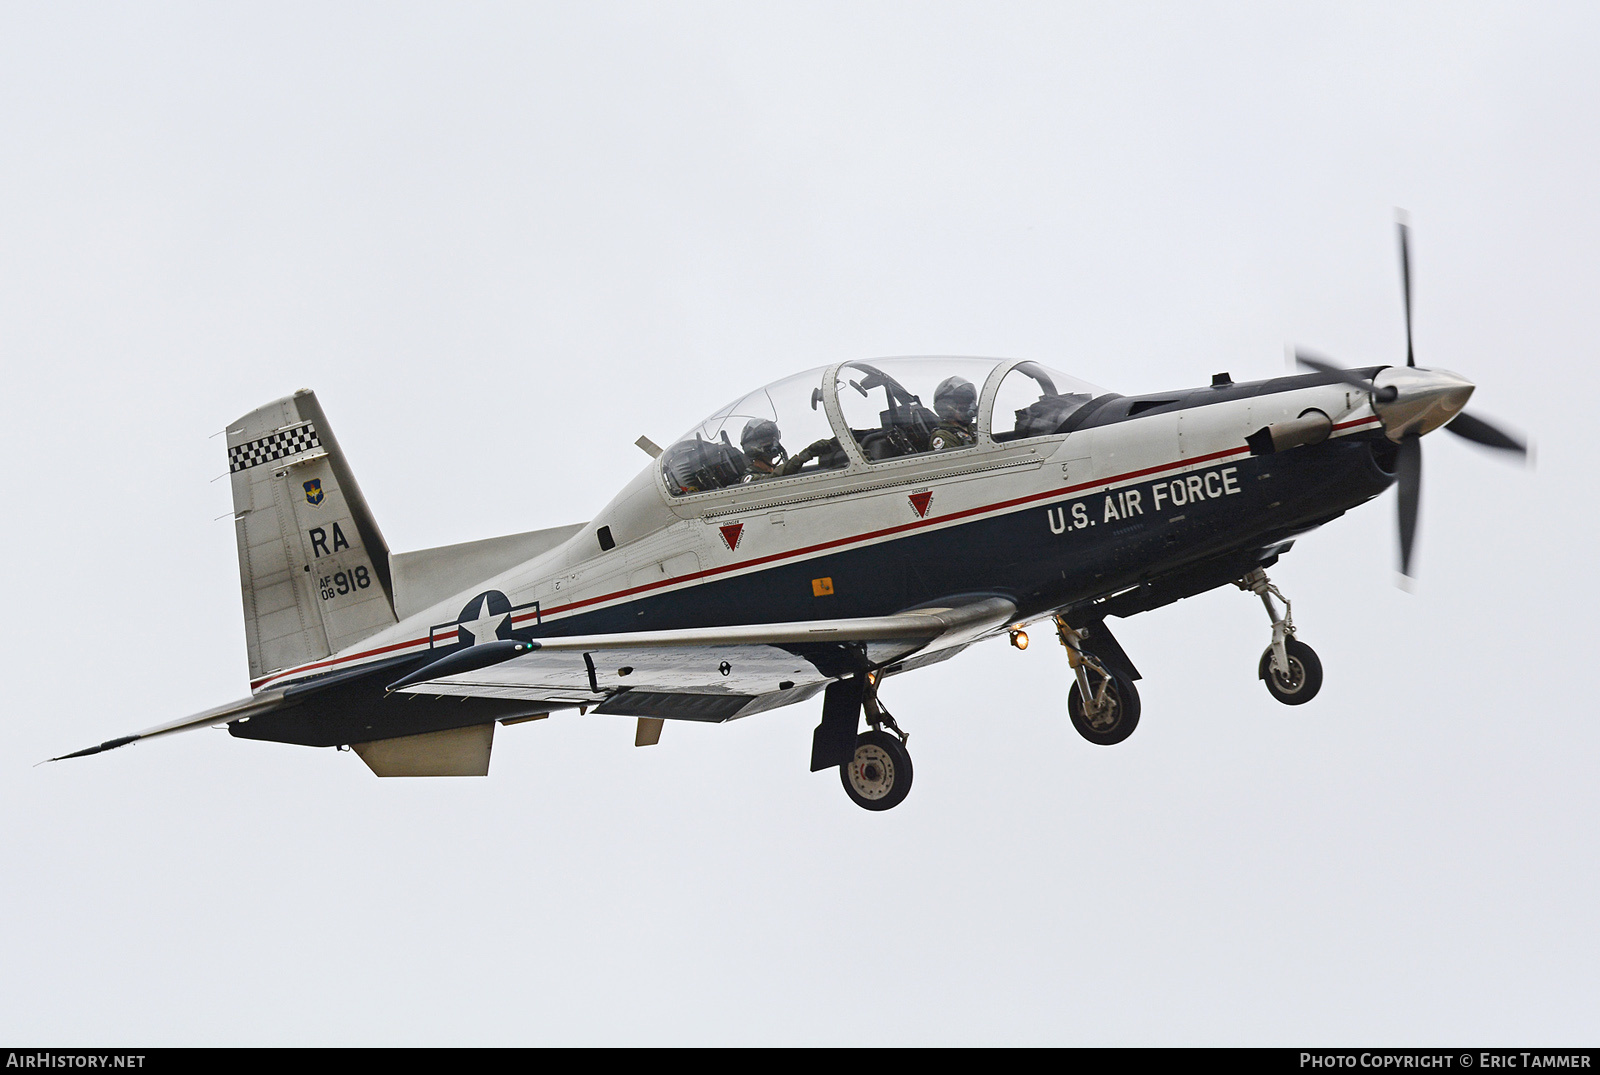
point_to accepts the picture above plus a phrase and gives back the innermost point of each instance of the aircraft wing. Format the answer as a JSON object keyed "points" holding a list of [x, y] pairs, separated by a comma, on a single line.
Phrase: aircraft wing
{"points": [[708, 673], [713, 673]]}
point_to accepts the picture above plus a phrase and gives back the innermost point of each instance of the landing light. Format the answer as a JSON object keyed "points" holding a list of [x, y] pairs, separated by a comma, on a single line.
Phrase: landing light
{"points": [[1019, 639]]}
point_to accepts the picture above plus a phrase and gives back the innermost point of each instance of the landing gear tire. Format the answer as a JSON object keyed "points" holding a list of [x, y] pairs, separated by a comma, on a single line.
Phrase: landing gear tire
{"points": [[1305, 674], [1118, 715], [878, 775]]}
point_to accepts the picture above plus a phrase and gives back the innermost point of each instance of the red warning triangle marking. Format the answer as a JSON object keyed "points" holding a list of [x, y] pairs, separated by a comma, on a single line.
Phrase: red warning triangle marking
{"points": [[731, 535], [920, 502]]}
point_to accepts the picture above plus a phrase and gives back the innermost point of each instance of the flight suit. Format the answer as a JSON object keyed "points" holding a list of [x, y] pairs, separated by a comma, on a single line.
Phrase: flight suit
{"points": [[946, 436]]}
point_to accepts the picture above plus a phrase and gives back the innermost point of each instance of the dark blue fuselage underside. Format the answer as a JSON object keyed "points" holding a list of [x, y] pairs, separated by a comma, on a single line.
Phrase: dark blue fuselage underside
{"points": [[1046, 556]]}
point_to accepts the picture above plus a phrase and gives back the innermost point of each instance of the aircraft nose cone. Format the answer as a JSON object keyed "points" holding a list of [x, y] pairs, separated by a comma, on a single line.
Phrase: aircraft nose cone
{"points": [[1423, 399]]}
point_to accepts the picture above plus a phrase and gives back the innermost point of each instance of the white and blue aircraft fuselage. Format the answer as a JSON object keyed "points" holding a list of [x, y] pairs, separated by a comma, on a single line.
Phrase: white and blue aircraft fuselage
{"points": [[816, 536]]}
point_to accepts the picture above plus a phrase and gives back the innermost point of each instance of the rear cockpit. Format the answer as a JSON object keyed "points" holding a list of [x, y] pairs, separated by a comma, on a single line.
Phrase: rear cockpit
{"points": [[860, 414], [900, 407]]}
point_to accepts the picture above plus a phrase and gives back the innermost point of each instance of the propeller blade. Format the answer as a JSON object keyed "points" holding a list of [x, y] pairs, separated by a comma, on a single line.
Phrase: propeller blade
{"points": [[1410, 481], [1405, 284], [1322, 365], [1490, 436]]}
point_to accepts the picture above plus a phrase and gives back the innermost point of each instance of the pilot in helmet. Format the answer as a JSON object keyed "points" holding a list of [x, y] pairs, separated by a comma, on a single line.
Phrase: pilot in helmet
{"points": [[955, 402], [762, 445], [761, 441]]}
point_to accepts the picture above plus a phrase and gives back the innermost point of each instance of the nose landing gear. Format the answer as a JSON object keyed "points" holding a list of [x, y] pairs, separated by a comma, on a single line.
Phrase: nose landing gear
{"points": [[1290, 669]]}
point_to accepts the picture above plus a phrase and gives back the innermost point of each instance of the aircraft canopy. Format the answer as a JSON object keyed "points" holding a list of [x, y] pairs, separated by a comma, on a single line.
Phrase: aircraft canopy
{"points": [[863, 413]]}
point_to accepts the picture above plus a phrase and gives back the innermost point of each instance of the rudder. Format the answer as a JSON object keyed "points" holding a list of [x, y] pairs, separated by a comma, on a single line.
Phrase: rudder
{"points": [[313, 566]]}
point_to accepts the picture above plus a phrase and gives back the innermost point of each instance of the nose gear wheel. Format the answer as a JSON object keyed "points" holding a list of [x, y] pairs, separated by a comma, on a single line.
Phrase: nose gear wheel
{"points": [[1289, 667], [1303, 679]]}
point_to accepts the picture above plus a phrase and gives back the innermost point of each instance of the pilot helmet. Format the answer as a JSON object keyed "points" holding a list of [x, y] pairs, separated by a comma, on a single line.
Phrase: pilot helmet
{"points": [[760, 440], [956, 400]]}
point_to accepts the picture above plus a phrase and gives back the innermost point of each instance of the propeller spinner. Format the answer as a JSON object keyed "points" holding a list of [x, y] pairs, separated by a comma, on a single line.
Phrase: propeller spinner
{"points": [[1411, 401]]}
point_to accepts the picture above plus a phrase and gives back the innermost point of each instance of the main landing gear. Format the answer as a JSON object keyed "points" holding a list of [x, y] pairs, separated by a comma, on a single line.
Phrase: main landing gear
{"points": [[1103, 702], [1289, 667], [874, 766], [878, 774]]}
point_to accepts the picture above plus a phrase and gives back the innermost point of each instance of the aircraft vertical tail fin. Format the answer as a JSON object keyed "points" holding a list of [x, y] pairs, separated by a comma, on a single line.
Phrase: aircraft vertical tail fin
{"points": [[313, 566]]}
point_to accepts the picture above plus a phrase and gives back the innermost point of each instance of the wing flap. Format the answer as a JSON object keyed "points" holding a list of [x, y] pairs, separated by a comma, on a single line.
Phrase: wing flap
{"points": [[592, 676]]}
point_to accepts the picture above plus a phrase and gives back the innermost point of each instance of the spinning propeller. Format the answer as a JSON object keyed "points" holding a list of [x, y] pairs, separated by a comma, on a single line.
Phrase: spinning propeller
{"points": [[1413, 401]]}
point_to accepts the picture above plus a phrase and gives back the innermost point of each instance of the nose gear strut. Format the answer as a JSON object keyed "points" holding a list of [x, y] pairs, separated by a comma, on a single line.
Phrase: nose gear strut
{"points": [[1282, 626], [1290, 668]]}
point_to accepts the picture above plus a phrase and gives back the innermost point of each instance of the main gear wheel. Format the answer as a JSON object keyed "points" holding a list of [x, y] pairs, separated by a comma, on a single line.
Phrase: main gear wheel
{"points": [[878, 774]]}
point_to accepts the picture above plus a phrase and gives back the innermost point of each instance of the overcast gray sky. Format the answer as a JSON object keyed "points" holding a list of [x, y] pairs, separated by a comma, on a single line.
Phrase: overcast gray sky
{"points": [[503, 241]]}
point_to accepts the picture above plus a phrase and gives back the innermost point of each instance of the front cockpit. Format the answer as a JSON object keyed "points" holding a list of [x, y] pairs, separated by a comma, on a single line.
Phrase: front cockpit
{"points": [[779, 431], [864, 414]]}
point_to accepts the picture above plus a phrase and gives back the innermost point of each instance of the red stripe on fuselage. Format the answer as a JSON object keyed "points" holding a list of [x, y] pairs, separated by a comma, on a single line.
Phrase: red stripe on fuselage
{"points": [[807, 550]]}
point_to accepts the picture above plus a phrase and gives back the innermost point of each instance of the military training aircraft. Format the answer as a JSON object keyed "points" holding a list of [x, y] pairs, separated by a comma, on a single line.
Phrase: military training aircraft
{"points": [[816, 536]]}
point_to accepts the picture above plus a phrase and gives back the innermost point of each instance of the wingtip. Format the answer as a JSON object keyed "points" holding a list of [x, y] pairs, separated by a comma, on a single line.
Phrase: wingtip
{"points": [[109, 744]]}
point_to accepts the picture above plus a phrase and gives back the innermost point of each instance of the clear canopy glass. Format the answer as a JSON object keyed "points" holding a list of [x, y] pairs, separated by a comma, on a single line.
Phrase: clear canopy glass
{"points": [[892, 408], [912, 406], [779, 431], [1035, 401]]}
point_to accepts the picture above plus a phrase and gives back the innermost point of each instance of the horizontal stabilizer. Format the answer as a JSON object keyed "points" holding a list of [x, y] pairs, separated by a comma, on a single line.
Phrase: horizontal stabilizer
{"points": [[222, 714], [424, 578]]}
